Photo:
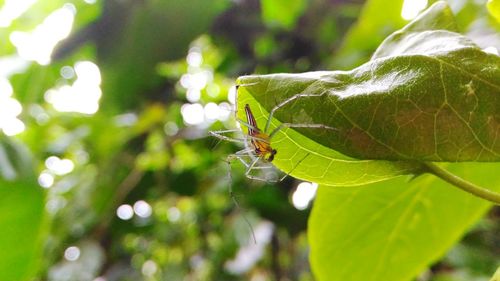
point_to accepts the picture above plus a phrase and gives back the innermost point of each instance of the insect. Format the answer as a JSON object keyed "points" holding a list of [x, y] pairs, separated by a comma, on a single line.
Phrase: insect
{"points": [[258, 143]]}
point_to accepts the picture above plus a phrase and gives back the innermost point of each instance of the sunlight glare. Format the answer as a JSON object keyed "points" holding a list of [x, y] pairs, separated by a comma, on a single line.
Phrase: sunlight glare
{"points": [[45, 179], [491, 50], [5, 88], [12, 9], [13, 126], [211, 111], [59, 166], [12, 64], [303, 195], [83, 96], [125, 212], [193, 95], [231, 95], [194, 58], [192, 113], [224, 111], [411, 8], [10, 108], [149, 268], [39, 44], [72, 253], [142, 209]]}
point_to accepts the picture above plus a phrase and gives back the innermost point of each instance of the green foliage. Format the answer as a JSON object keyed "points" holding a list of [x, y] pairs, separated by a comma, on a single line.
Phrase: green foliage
{"points": [[369, 30], [165, 70], [123, 78], [23, 229], [392, 230], [423, 96], [282, 13], [396, 106], [496, 276], [494, 8], [304, 157], [22, 221]]}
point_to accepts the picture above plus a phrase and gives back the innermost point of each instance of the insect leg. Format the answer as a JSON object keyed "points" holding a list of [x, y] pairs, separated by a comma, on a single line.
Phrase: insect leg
{"points": [[287, 101], [229, 159], [290, 125], [220, 135]]}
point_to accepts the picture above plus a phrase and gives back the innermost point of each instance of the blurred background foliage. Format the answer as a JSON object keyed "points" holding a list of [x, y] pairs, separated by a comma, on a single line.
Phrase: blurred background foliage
{"points": [[106, 169]]}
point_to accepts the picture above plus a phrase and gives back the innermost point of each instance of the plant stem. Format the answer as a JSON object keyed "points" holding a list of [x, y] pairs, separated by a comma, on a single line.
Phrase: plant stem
{"points": [[469, 187]]}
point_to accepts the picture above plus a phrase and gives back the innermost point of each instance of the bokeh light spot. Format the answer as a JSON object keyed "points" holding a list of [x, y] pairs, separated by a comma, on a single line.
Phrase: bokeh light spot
{"points": [[45, 179], [125, 212], [72, 253], [39, 44], [303, 195], [142, 209]]}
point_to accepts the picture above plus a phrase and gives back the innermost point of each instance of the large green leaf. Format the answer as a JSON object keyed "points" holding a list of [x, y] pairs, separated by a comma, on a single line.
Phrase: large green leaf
{"points": [[22, 209], [427, 95], [392, 231], [304, 158], [21, 214]]}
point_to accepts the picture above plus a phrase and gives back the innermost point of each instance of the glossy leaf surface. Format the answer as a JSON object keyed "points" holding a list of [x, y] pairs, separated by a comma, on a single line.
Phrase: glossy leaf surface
{"points": [[392, 230], [427, 95]]}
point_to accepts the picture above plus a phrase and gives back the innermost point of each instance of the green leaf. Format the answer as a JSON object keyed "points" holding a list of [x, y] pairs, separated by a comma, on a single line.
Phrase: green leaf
{"points": [[428, 95], [494, 8], [21, 213], [23, 229], [15, 160], [283, 13], [370, 29], [395, 230], [306, 159], [496, 276]]}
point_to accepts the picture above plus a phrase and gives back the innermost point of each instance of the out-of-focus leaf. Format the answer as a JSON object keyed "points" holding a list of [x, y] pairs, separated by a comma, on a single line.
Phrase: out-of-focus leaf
{"points": [[496, 276], [22, 209], [283, 13], [370, 29], [15, 160], [494, 8], [130, 70], [392, 231]]}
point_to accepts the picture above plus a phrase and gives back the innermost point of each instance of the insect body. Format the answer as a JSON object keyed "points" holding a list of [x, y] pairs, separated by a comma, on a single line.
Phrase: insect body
{"points": [[258, 152], [259, 141]]}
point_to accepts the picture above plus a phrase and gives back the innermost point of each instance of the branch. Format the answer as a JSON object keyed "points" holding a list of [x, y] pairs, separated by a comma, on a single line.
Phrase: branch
{"points": [[469, 187]]}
